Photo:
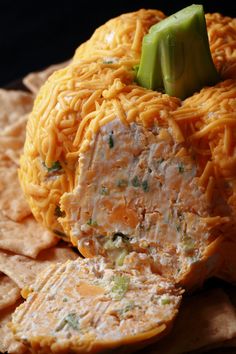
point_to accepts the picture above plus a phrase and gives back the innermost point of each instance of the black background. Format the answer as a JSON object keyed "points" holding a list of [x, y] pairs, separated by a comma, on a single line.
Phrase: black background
{"points": [[35, 34]]}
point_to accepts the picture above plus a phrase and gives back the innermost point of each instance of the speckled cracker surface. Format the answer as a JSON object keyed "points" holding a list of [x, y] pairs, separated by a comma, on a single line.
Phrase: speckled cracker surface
{"points": [[7, 341], [19, 232], [9, 292], [13, 104], [23, 270], [35, 80], [12, 138], [14, 109], [26, 238], [12, 200]]}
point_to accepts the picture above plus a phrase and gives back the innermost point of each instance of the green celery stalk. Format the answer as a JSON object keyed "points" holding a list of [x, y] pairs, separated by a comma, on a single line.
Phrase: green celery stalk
{"points": [[176, 55]]}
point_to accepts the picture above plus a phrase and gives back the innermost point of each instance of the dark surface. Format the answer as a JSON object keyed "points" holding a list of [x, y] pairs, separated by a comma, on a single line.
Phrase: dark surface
{"points": [[35, 34]]}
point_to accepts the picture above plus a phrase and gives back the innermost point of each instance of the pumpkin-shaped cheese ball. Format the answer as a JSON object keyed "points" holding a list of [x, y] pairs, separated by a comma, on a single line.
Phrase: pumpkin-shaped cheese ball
{"points": [[51, 150], [117, 168]]}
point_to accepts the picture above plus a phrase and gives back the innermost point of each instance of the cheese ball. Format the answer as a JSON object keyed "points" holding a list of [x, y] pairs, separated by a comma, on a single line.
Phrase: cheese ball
{"points": [[116, 168]]}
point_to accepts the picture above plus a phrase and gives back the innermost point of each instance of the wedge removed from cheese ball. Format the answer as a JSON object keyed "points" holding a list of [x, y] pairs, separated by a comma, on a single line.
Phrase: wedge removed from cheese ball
{"points": [[88, 306]]}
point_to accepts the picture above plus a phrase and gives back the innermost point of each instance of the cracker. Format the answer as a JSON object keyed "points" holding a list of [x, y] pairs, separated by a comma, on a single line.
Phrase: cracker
{"points": [[13, 104], [14, 107], [35, 80], [7, 341], [204, 319], [10, 142], [26, 238], [8, 157], [9, 292], [23, 270], [5, 160], [58, 254], [12, 200], [16, 128], [12, 139]]}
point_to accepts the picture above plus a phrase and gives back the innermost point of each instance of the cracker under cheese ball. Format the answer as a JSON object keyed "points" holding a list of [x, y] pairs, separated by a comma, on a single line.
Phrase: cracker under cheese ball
{"points": [[118, 168]]}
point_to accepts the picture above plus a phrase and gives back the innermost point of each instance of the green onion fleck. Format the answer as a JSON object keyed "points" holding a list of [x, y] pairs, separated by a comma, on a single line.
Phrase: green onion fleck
{"points": [[111, 141], [180, 167], [165, 301], [104, 191], [120, 287], [178, 227], [135, 182], [128, 307], [92, 222], [121, 257], [145, 186], [72, 320], [56, 166]]}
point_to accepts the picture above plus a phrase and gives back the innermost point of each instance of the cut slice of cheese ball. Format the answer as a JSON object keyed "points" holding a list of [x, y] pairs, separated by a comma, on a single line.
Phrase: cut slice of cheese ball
{"points": [[87, 306]]}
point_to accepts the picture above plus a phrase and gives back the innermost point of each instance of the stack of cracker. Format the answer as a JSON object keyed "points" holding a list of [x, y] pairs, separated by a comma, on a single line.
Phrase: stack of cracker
{"points": [[25, 246]]}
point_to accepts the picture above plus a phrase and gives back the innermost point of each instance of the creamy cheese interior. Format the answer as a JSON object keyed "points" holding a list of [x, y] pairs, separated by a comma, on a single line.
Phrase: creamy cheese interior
{"points": [[138, 190], [86, 302]]}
